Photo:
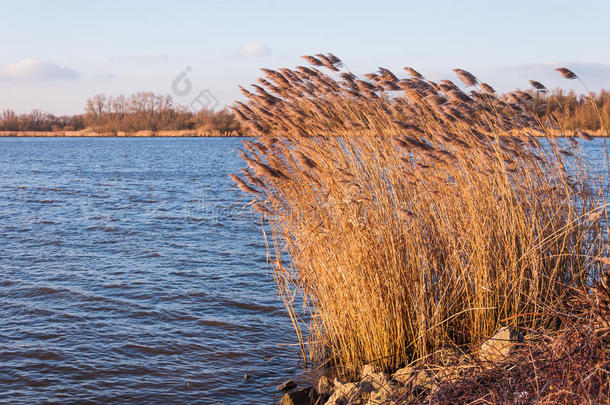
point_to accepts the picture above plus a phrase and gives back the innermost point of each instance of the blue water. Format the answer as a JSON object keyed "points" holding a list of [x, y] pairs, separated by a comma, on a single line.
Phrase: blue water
{"points": [[130, 273]]}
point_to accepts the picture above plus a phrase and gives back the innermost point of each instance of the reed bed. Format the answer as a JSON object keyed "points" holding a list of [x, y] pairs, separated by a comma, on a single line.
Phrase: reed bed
{"points": [[408, 215]]}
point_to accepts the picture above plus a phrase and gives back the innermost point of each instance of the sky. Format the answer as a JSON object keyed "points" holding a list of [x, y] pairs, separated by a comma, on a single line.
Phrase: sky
{"points": [[56, 54]]}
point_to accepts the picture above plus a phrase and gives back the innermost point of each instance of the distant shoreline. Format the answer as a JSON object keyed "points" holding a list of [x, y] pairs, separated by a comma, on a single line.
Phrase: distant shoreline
{"points": [[163, 134], [120, 134]]}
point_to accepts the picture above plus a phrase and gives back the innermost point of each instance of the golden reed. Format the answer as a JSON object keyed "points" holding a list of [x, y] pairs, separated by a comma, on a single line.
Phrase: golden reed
{"points": [[407, 215]]}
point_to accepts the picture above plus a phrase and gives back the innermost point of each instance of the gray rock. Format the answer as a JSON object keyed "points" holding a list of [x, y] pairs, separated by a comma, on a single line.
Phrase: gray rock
{"points": [[303, 396], [348, 393], [498, 347], [372, 389], [323, 386], [287, 385], [380, 388], [414, 377]]}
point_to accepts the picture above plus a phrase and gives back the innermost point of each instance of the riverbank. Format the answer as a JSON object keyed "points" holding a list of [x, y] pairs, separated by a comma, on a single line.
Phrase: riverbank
{"points": [[565, 365], [91, 133]]}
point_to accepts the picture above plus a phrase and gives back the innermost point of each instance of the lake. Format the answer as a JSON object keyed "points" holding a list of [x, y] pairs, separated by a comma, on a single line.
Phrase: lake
{"points": [[131, 272]]}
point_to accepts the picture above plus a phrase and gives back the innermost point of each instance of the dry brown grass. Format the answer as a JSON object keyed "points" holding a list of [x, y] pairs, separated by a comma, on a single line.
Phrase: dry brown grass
{"points": [[566, 366], [408, 215]]}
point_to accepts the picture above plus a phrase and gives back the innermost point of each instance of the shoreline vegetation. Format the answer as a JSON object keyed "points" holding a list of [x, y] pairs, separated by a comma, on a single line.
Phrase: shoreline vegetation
{"points": [[428, 245], [139, 114], [120, 134], [147, 114], [190, 134]]}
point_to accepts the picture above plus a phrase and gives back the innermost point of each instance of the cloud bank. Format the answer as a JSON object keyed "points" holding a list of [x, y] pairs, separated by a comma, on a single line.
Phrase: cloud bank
{"points": [[31, 69], [255, 50]]}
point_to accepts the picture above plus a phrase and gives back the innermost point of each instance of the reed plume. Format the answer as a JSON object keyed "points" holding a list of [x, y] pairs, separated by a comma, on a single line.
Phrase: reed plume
{"points": [[538, 86], [414, 73], [466, 77], [566, 73]]}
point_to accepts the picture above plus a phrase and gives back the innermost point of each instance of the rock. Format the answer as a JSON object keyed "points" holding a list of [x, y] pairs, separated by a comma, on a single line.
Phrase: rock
{"points": [[372, 389], [423, 379], [403, 375], [498, 347], [344, 394], [414, 377], [368, 373], [304, 396], [380, 385], [287, 385], [323, 386]]}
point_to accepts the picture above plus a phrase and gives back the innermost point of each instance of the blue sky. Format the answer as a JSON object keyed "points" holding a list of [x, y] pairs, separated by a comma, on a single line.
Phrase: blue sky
{"points": [[55, 54]]}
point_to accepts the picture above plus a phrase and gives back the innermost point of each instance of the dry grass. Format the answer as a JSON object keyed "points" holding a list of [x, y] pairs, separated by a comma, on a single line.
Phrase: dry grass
{"points": [[408, 215], [567, 366]]}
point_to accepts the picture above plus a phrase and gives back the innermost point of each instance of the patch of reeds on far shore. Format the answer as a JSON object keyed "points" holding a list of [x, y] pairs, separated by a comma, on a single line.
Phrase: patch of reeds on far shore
{"points": [[416, 215]]}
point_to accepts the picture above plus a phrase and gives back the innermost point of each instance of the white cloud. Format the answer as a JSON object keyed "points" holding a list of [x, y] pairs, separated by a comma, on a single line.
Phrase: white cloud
{"points": [[29, 69], [255, 50], [144, 58]]}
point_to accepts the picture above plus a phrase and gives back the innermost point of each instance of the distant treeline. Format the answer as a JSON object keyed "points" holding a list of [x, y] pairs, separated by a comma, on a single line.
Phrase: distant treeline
{"points": [[574, 111], [154, 112], [137, 112], [38, 120]]}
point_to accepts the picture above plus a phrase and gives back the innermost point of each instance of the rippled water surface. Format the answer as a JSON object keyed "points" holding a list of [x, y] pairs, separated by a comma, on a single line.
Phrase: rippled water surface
{"points": [[129, 272]]}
